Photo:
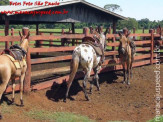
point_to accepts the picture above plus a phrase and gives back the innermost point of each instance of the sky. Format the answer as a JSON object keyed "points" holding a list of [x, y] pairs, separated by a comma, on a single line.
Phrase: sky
{"points": [[138, 9]]}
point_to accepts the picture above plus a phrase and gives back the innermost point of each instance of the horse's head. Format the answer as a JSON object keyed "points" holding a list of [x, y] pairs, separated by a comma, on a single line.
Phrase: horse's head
{"points": [[101, 36], [124, 41], [162, 33], [24, 43]]}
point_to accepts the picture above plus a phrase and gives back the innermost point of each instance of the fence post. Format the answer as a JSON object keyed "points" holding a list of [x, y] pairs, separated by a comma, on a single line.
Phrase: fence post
{"points": [[134, 29], [152, 44], [41, 42], [113, 48], [6, 32], [73, 32], [62, 40], [12, 34], [91, 29], [51, 41], [27, 81], [85, 32], [143, 30], [109, 30]]}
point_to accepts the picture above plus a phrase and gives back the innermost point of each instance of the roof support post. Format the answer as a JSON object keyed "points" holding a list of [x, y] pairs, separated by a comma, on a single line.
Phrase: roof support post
{"points": [[73, 32], [6, 31], [37, 43], [12, 34], [114, 26], [37, 29], [27, 80]]}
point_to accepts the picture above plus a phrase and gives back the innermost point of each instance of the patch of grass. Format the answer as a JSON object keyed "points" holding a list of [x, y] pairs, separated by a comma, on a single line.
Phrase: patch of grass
{"points": [[56, 116], [6, 109], [119, 121], [159, 120]]}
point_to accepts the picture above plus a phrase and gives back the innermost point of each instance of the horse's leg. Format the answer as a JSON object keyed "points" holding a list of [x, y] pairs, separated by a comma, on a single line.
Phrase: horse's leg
{"points": [[74, 67], [91, 86], [92, 82], [131, 68], [21, 89], [128, 72], [13, 90], [97, 79], [2, 89], [124, 73], [87, 76]]}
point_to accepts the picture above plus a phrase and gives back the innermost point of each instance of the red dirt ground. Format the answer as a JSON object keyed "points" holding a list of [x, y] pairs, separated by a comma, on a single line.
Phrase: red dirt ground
{"points": [[115, 101]]}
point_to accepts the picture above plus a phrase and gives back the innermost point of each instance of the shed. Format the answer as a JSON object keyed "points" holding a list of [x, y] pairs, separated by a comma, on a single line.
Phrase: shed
{"points": [[78, 11]]}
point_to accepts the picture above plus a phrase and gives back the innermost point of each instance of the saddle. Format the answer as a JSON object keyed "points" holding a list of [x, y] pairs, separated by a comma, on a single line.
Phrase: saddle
{"points": [[16, 55], [16, 52], [96, 46]]}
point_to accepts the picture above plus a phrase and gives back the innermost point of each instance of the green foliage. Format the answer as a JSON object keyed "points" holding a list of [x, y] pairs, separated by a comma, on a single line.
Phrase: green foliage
{"points": [[130, 24], [159, 120], [144, 23], [56, 116], [113, 7], [4, 2]]}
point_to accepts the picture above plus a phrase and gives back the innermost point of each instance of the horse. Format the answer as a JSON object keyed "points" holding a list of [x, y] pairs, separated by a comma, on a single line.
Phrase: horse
{"points": [[160, 31], [8, 70], [126, 55], [86, 56], [66, 41]]}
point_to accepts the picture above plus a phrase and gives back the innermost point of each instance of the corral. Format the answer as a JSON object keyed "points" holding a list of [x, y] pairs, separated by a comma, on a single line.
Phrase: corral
{"points": [[145, 55], [48, 64]]}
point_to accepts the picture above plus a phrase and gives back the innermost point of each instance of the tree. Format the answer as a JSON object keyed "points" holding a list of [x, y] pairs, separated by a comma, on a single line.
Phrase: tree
{"points": [[4, 2], [144, 23], [113, 7], [129, 24]]}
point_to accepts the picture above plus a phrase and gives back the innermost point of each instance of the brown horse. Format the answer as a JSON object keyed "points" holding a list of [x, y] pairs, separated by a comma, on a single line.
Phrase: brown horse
{"points": [[126, 56], [8, 71]]}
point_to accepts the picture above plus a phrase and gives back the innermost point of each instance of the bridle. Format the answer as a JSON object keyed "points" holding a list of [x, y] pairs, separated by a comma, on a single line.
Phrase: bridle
{"points": [[97, 40]]}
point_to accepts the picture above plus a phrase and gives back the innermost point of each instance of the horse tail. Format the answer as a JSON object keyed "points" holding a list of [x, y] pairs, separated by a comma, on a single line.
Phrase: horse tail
{"points": [[73, 69]]}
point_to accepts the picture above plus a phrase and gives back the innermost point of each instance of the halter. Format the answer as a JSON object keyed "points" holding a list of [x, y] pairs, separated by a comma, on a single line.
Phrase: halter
{"points": [[98, 40]]}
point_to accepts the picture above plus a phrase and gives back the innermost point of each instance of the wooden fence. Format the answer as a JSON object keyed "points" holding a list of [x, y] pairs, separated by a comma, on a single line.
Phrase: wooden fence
{"points": [[145, 54]]}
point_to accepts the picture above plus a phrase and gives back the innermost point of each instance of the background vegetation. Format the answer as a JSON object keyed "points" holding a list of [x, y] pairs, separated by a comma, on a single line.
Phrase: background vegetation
{"points": [[130, 23]]}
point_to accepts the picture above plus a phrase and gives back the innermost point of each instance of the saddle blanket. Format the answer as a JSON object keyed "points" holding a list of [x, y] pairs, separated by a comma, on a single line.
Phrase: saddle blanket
{"points": [[18, 64]]}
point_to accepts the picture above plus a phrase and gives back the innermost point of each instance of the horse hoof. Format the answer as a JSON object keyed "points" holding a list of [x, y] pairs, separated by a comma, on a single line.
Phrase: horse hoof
{"points": [[87, 98], [98, 89], [12, 102], [0, 117], [123, 82], [128, 83], [22, 105], [90, 91], [64, 100]]}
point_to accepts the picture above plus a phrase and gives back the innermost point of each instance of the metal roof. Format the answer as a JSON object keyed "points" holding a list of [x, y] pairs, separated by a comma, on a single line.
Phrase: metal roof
{"points": [[33, 8], [80, 11]]}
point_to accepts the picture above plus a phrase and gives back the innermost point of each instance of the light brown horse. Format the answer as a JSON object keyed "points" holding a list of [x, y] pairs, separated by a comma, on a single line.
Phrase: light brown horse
{"points": [[8, 71], [126, 56]]}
